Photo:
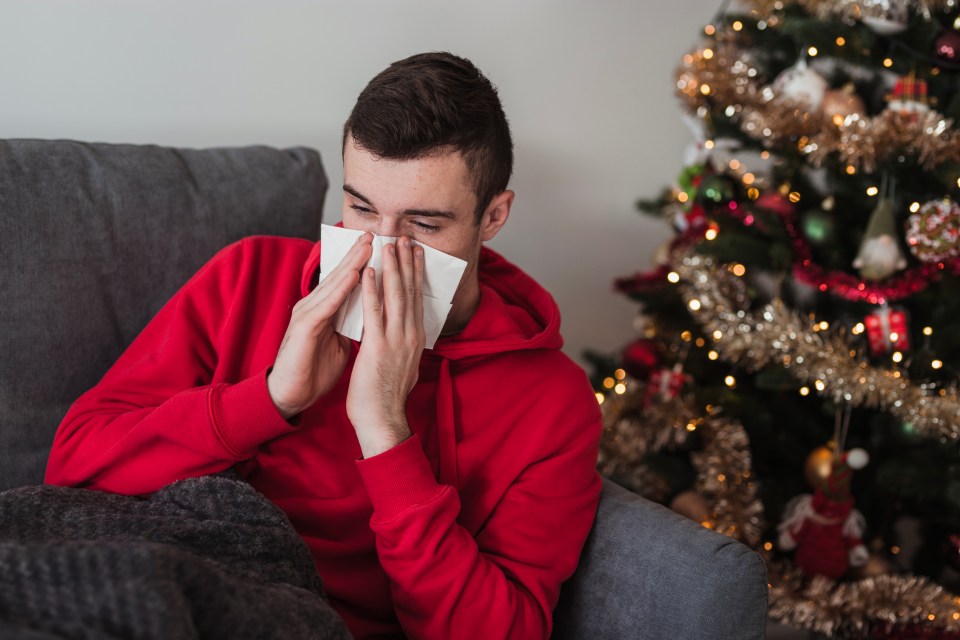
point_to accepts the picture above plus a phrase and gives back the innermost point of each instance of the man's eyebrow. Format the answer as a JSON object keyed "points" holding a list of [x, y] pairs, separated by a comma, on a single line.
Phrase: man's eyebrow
{"points": [[420, 213], [356, 194], [430, 213]]}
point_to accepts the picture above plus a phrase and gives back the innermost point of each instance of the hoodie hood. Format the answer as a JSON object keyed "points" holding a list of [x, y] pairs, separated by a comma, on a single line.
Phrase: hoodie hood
{"points": [[515, 313]]}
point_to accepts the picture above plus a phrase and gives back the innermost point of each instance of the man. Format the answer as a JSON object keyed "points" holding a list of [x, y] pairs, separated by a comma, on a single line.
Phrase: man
{"points": [[444, 493]]}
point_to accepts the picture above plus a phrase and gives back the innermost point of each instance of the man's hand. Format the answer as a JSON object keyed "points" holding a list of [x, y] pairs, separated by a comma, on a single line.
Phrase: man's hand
{"points": [[388, 364], [312, 355]]}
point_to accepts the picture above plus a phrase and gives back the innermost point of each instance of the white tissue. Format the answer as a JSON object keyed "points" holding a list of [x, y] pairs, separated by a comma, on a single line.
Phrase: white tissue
{"points": [[441, 277]]}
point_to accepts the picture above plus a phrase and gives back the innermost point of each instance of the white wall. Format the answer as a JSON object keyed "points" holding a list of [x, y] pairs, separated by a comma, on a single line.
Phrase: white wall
{"points": [[587, 87]]}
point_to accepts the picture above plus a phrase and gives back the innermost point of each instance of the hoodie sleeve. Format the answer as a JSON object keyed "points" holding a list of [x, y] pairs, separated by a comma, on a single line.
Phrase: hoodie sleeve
{"points": [[505, 582], [156, 416]]}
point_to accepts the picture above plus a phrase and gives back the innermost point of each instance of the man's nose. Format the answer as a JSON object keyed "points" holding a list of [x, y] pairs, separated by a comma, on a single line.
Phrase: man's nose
{"points": [[387, 226]]}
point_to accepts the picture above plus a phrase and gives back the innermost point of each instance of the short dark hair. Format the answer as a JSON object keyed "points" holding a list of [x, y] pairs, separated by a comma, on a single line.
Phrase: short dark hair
{"points": [[430, 103]]}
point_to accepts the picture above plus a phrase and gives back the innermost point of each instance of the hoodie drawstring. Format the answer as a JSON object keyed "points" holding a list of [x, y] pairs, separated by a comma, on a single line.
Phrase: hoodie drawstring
{"points": [[446, 429]]}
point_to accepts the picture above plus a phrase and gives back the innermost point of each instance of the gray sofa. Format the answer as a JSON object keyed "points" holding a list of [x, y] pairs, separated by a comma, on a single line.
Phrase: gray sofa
{"points": [[94, 238]]}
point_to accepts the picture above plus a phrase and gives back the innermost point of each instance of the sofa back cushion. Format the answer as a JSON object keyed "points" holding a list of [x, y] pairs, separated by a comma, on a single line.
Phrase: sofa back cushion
{"points": [[95, 238]]}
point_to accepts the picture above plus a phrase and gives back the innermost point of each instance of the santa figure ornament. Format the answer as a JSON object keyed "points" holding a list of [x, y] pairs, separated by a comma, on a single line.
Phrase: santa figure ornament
{"points": [[824, 529]]}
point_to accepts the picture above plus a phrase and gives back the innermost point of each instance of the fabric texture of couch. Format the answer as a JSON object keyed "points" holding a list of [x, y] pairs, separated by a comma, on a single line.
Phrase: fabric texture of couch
{"points": [[94, 238]]}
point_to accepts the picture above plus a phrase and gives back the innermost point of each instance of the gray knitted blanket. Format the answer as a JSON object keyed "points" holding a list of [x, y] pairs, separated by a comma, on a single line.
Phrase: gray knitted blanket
{"points": [[202, 558]]}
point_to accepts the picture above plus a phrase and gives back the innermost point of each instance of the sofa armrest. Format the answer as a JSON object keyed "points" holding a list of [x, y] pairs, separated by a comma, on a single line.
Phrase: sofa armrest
{"points": [[647, 572]]}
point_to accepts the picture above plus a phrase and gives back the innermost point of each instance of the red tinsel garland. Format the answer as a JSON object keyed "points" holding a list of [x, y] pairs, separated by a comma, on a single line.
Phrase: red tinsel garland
{"points": [[838, 283], [848, 286]]}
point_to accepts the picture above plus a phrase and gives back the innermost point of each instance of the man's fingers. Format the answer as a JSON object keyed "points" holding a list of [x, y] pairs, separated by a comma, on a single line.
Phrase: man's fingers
{"points": [[408, 279], [394, 304], [357, 256], [333, 290], [418, 271], [372, 309]]}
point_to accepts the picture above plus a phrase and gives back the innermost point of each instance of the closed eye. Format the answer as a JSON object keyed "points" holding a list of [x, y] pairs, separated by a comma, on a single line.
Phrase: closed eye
{"points": [[422, 226], [429, 228]]}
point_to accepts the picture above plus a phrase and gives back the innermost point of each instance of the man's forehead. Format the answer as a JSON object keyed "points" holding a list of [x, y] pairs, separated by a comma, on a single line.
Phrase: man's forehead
{"points": [[435, 181]]}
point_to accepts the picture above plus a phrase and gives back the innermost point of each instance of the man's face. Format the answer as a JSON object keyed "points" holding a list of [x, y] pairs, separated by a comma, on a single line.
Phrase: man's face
{"points": [[429, 199]]}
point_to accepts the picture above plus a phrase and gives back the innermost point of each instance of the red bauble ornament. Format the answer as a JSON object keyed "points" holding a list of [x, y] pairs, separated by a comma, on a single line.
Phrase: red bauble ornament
{"points": [[933, 232], [640, 358], [947, 46]]}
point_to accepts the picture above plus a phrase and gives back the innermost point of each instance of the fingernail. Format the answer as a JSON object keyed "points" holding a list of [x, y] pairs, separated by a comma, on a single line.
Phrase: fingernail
{"points": [[418, 252]]}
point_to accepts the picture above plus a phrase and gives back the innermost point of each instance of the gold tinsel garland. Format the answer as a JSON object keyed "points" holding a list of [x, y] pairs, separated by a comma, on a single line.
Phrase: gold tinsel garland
{"points": [[725, 479], [722, 463], [849, 609], [825, 9], [722, 80], [777, 335]]}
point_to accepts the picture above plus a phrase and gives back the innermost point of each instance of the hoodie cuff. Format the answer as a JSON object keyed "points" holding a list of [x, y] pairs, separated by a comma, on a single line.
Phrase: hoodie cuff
{"points": [[244, 416], [398, 478]]}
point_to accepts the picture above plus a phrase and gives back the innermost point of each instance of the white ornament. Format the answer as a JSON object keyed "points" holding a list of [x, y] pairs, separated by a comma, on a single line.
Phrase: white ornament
{"points": [[802, 84], [857, 458], [879, 257], [885, 17]]}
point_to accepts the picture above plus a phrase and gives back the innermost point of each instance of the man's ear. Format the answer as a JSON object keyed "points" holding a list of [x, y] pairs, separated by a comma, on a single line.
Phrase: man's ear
{"points": [[496, 215]]}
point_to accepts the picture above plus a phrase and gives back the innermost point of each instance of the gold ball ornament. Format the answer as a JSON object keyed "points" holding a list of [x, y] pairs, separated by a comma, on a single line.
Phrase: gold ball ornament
{"points": [[692, 505], [817, 468], [839, 103]]}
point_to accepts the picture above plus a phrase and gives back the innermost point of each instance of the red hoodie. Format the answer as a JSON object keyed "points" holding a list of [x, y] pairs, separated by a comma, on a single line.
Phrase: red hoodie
{"points": [[464, 530]]}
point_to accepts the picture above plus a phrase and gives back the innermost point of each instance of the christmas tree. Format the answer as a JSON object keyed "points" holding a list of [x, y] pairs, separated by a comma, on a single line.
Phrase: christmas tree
{"points": [[794, 381]]}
